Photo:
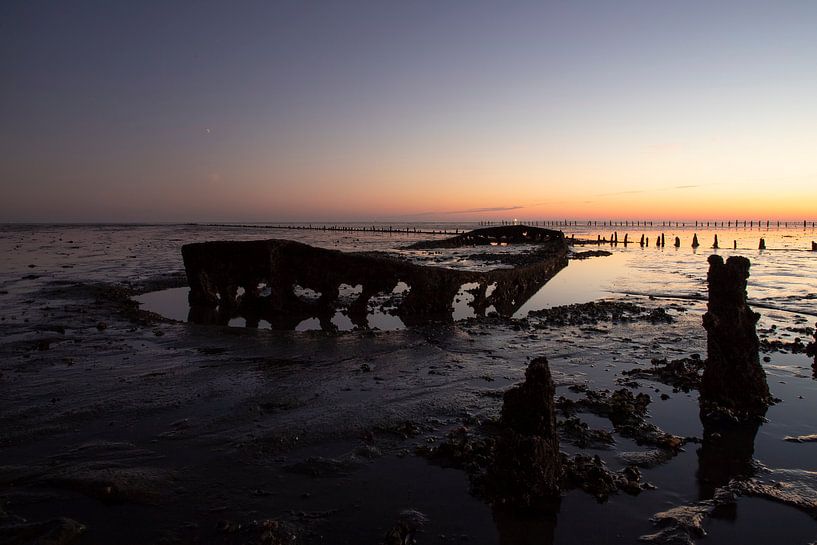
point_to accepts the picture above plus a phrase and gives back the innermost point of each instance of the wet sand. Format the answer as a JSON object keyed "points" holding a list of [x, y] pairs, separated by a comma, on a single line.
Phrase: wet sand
{"points": [[121, 419]]}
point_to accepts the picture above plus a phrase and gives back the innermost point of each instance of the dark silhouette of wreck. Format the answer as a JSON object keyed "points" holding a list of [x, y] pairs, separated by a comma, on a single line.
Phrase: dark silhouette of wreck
{"points": [[270, 272]]}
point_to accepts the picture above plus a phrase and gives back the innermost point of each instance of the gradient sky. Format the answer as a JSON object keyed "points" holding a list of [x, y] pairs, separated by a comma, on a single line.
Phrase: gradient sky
{"points": [[352, 110]]}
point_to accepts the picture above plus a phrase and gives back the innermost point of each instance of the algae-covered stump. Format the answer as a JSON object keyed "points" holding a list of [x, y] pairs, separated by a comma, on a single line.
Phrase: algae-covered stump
{"points": [[526, 471], [733, 380]]}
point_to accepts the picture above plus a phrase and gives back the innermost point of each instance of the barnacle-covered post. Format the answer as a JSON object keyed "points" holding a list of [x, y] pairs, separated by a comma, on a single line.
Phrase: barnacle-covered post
{"points": [[733, 381], [526, 471]]}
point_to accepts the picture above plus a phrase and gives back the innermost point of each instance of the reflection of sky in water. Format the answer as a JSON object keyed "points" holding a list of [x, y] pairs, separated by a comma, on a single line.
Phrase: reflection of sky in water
{"points": [[342, 322], [782, 277], [580, 282], [462, 301], [309, 324], [385, 322], [170, 303]]}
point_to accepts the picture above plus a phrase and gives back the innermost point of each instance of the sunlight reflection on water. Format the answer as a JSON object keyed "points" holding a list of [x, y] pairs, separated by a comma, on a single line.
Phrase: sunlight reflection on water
{"points": [[784, 278]]}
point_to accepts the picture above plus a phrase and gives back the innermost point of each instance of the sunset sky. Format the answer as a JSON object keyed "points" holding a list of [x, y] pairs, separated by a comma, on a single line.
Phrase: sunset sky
{"points": [[403, 111]]}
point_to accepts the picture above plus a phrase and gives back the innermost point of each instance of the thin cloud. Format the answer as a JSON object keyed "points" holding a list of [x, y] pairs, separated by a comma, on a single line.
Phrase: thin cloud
{"points": [[488, 209], [467, 211]]}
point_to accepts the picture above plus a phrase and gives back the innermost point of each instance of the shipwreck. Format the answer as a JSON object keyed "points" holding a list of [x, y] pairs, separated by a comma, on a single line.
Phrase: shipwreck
{"points": [[265, 279]]}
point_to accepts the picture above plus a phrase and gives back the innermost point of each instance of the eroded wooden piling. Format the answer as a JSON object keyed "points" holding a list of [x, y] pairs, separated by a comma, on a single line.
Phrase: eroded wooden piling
{"points": [[734, 383], [526, 468]]}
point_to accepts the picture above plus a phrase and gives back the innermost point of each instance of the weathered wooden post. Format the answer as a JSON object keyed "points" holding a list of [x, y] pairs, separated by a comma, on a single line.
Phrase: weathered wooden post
{"points": [[735, 244], [733, 381], [526, 468], [813, 246], [715, 244], [642, 240], [762, 245], [677, 242], [695, 243]]}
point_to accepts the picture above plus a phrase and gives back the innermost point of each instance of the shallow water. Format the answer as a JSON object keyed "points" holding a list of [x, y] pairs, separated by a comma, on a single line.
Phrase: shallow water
{"points": [[783, 277]]}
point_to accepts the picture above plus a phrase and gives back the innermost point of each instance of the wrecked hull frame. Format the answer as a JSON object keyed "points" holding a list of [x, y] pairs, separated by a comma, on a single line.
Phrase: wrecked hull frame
{"points": [[216, 270]]}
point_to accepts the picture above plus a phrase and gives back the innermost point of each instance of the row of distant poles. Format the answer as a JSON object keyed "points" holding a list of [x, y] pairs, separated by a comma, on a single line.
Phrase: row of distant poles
{"points": [[660, 242], [749, 224], [645, 241]]}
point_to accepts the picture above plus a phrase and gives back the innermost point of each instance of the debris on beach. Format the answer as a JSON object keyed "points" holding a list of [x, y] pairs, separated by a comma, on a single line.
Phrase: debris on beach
{"points": [[811, 350], [599, 311], [627, 413], [590, 253], [683, 374], [577, 432], [590, 474], [793, 487], [810, 438], [683, 524]]}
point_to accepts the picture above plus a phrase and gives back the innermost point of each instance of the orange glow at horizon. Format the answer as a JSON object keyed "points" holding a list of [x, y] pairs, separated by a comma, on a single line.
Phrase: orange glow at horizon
{"points": [[477, 195]]}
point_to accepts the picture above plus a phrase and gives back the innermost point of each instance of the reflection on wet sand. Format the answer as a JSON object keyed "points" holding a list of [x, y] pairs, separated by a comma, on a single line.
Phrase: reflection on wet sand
{"points": [[520, 529], [285, 282], [727, 453]]}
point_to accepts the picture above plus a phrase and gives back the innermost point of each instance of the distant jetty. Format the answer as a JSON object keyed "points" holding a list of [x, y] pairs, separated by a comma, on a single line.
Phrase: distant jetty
{"points": [[422, 228]]}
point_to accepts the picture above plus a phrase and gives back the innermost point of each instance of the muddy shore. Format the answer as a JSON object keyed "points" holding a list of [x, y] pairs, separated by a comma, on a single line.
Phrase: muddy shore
{"points": [[116, 418]]}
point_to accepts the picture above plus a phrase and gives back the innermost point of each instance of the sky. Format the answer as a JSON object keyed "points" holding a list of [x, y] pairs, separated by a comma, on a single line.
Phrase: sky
{"points": [[405, 111]]}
